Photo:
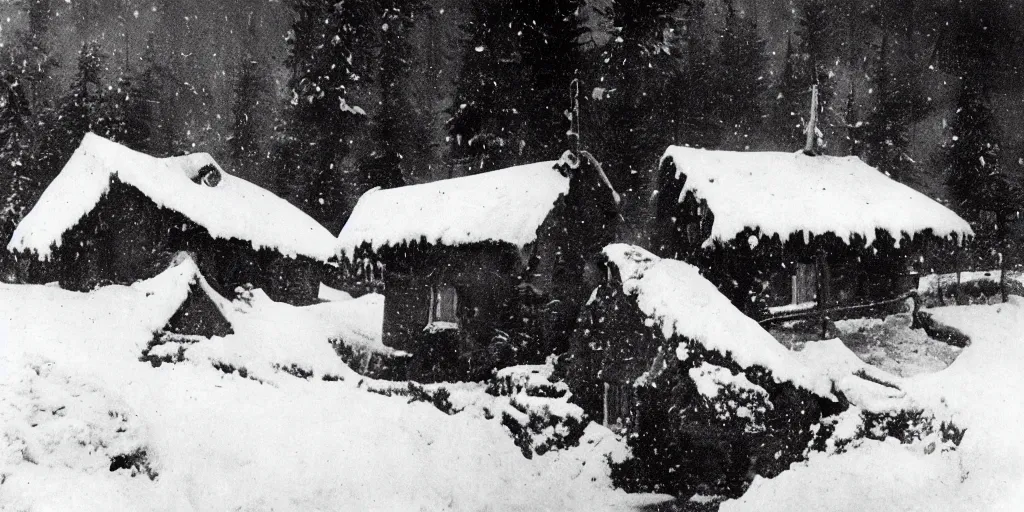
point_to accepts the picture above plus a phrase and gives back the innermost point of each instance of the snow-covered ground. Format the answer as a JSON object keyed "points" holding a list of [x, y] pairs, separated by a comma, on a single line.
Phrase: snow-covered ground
{"points": [[979, 392], [87, 426], [891, 345]]}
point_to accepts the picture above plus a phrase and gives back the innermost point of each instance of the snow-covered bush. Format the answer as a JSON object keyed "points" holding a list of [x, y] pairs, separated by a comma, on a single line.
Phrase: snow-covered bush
{"points": [[531, 379], [836, 434], [704, 425], [539, 425], [372, 363], [705, 397], [436, 395]]}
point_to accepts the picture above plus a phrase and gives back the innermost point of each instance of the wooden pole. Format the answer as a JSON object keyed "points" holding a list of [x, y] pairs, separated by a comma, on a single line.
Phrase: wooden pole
{"points": [[824, 292], [812, 123], [1001, 225]]}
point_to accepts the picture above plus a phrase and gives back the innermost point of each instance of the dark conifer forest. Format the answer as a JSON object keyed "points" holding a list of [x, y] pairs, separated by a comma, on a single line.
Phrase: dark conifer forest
{"points": [[321, 100]]}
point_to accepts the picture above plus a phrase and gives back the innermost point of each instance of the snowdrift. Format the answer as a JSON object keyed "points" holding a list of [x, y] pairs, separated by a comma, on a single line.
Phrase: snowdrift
{"points": [[87, 426]]}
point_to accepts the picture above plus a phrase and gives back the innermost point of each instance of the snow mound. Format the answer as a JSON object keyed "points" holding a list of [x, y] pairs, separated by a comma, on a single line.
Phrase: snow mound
{"points": [[786, 193], [865, 386], [234, 208], [506, 205], [876, 476], [274, 336], [76, 402], [979, 393], [684, 303]]}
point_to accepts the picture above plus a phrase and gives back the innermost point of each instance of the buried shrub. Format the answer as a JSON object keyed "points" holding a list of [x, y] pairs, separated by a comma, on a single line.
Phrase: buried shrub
{"points": [[136, 461], [701, 425], [435, 395], [167, 347], [370, 363], [837, 433], [539, 425]]}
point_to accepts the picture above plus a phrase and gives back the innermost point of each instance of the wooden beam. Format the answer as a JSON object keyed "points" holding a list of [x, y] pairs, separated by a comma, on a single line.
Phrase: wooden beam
{"points": [[812, 124]]}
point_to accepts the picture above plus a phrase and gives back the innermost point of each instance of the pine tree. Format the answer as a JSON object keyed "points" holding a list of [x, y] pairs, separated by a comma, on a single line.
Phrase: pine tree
{"points": [[31, 57], [250, 90], [643, 78], [519, 61], [399, 130], [126, 115], [154, 102], [740, 84], [693, 97], [81, 111], [972, 156], [791, 101], [328, 54], [16, 183], [898, 104], [814, 63]]}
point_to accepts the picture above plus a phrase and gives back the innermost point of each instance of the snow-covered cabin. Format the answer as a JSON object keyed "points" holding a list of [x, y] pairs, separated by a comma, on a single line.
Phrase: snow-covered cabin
{"points": [[114, 215], [483, 271], [660, 352], [775, 228]]}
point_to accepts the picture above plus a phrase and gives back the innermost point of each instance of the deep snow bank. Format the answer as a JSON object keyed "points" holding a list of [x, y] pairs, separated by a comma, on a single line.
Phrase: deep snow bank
{"points": [[87, 426], [979, 392]]}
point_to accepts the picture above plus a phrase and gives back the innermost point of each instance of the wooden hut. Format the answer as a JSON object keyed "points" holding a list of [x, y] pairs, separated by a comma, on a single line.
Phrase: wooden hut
{"points": [[793, 231], [114, 215], [483, 271]]}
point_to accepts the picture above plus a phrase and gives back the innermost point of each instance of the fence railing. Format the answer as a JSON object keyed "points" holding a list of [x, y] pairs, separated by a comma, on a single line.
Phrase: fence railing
{"points": [[827, 314]]}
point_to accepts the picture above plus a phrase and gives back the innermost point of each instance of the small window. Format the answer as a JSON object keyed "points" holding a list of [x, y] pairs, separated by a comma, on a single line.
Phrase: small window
{"points": [[444, 305]]}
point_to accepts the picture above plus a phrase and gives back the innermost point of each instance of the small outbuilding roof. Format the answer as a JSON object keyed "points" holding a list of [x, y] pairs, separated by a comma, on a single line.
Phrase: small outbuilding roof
{"points": [[681, 302], [228, 208], [786, 193], [506, 205]]}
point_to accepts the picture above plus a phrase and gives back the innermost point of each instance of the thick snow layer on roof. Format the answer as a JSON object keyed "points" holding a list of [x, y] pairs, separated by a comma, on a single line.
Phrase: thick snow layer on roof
{"points": [[234, 208], [507, 205], [786, 193], [682, 302]]}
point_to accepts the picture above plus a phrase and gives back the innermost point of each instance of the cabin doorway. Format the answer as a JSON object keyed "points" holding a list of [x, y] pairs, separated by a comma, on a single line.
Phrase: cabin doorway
{"points": [[805, 283]]}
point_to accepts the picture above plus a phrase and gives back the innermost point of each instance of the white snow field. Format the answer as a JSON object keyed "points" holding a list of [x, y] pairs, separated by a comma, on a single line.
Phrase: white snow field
{"points": [[76, 402], [979, 392], [785, 193]]}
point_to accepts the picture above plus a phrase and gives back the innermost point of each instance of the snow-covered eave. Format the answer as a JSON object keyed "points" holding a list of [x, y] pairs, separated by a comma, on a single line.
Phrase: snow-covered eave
{"points": [[850, 237], [935, 219], [89, 176], [45, 252], [506, 206], [349, 252]]}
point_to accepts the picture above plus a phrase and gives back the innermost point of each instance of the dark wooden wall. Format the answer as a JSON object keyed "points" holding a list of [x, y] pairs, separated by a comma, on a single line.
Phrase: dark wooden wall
{"points": [[128, 237]]}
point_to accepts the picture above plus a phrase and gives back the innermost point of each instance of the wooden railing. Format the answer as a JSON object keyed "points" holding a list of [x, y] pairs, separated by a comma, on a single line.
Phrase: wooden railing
{"points": [[826, 314]]}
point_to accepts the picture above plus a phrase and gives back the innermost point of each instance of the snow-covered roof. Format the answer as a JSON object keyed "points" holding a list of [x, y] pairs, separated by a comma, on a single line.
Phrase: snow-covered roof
{"points": [[506, 205], [234, 208], [786, 193], [682, 302]]}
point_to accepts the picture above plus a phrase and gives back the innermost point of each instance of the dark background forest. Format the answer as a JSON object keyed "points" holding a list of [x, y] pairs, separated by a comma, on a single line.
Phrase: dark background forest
{"points": [[320, 101]]}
